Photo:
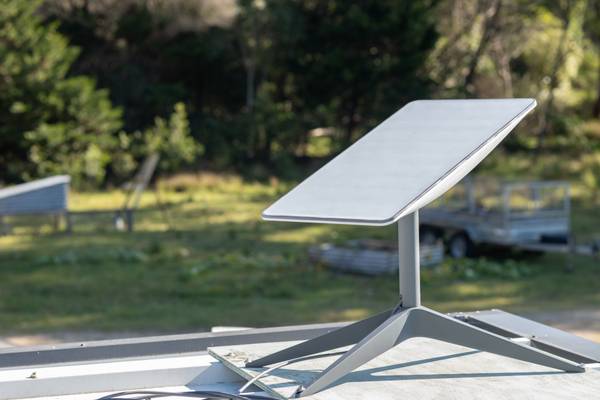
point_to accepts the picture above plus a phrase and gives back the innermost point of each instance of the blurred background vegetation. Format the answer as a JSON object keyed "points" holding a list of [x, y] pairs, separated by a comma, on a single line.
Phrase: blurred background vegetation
{"points": [[260, 92], [268, 86]]}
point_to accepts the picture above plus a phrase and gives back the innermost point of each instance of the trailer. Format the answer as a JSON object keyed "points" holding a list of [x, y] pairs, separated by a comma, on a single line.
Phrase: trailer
{"points": [[530, 215]]}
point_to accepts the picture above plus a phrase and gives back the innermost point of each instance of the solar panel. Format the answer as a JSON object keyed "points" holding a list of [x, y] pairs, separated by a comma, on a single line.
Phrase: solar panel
{"points": [[403, 164]]}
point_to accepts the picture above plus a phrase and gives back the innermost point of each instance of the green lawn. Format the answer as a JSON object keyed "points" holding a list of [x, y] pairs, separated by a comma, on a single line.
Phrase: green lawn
{"points": [[221, 265]]}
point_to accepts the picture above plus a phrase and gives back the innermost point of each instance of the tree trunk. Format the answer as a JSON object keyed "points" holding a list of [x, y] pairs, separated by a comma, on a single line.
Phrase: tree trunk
{"points": [[250, 78], [542, 131], [351, 116], [504, 69], [489, 28], [596, 109], [267, 151], [351, 125]]}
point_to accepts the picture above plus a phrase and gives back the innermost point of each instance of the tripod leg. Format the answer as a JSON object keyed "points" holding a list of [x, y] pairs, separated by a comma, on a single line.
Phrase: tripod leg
{"points": [[431, 324], [332, 340], [394, 330]]}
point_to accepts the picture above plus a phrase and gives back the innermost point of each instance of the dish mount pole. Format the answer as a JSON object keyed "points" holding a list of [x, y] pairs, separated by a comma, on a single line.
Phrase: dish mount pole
{"points": [[409, 260]]}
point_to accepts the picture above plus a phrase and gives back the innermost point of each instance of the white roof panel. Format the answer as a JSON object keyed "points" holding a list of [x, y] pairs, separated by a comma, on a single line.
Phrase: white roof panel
{"points": [[403, 164]]}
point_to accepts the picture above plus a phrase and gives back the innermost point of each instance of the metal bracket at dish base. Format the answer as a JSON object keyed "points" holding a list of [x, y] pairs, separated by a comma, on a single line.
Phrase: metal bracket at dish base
{"points": [[423, 322], [544, 337], [377, 334]]}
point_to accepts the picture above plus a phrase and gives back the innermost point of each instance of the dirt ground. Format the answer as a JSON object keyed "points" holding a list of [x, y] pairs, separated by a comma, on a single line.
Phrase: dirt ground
{"points": [[585, 323]]}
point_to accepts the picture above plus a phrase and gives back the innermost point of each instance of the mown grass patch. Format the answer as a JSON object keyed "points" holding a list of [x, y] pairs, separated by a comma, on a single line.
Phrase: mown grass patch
{"points": [[220, 265]]}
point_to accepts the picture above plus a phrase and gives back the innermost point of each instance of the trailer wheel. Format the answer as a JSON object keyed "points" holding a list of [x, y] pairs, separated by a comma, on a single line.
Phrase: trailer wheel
{"points": [[460, 246], [429, 235]]}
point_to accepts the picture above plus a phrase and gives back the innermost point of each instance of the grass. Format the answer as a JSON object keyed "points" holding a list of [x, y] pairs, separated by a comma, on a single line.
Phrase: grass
{"points": [[221, 265]]}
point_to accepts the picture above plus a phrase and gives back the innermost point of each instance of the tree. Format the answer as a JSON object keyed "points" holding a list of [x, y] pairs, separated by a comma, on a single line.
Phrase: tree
{"points": [[256, 84], [353, 62], [490, 27], [566, 12], [171, 140], [151, 55], [592, 32], [51, 122], [520, 48], [479, 40]]}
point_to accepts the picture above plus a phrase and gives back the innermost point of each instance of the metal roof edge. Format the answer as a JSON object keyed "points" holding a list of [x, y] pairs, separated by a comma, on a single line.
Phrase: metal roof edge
{"points": [[154, 346]]}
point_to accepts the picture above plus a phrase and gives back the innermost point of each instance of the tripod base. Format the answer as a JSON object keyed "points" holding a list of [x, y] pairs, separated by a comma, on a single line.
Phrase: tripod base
{"points": [[379, 333]]}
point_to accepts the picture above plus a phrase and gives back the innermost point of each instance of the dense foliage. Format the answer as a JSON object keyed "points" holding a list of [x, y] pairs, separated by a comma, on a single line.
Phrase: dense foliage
{"points": [[50, 121], [260, 79], [54, 122]]}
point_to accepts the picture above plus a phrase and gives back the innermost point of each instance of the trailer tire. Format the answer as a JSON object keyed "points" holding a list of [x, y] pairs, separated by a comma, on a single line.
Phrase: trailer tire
{"points": [[429, 235], [460, 245]]}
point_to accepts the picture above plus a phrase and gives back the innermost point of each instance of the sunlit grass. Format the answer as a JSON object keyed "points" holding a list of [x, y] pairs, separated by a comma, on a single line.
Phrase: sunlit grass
{"points": [[212, 261]]}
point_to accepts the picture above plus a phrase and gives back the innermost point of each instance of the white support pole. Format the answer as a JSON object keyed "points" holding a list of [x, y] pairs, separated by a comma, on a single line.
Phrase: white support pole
{"points": [[408, 255]]}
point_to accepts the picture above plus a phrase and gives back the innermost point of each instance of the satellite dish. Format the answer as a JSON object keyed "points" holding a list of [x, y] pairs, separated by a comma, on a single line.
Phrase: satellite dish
{"points": [[403, 164], [400, 166]]}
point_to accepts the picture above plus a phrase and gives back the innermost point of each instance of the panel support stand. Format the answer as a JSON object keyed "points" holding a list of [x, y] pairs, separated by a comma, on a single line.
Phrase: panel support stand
{"points": [[379, 333], [408, 256]]}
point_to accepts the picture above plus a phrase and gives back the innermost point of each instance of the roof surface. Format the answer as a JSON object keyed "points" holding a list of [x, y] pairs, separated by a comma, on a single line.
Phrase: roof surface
{"points": [[419, 368], [404, 163]]}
